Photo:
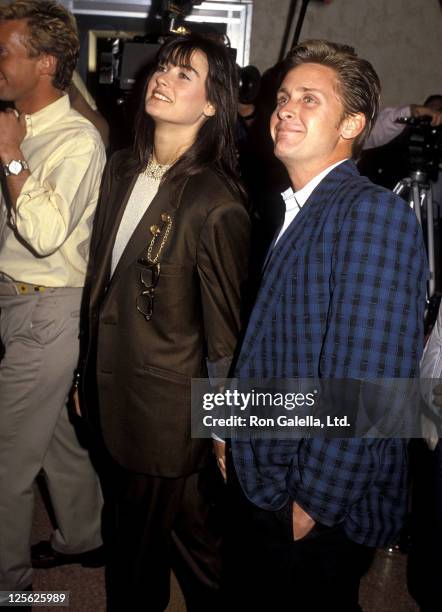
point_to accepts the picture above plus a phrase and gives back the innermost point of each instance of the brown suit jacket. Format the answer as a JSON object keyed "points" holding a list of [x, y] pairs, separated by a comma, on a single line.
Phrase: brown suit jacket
{"points": [[137, 373]]}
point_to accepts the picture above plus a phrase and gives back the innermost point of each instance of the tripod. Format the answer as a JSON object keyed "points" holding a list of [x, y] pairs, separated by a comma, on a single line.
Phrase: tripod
{"points": [[420, 198]]}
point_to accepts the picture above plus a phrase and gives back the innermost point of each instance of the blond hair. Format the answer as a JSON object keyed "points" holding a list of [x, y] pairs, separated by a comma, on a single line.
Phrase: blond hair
{"points": [[52, 31]]}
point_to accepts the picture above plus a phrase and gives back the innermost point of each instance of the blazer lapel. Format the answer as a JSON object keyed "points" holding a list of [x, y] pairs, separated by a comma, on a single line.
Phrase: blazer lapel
{"points": [[282, 259], [284, 255], [163, 202], [114, 209], [286, 250]]}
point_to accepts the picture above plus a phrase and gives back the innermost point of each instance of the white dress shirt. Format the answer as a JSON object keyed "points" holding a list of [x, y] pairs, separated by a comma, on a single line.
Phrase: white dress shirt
{"points": [[295, 200]]}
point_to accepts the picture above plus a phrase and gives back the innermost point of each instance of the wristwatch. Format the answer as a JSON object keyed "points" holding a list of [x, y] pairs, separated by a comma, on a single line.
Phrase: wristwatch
{"points": [[15, 166]]}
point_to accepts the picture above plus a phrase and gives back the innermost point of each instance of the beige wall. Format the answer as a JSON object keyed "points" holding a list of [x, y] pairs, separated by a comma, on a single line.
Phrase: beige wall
{"points": [[402, 39]]}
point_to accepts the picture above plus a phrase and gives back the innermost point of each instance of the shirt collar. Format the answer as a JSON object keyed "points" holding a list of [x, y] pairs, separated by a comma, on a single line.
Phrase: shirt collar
{"points": [[293, 199], [47, 116]]}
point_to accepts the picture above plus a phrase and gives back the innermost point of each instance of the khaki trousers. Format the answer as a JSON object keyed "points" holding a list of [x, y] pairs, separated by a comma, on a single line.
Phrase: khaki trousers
{"points": [[40, 334]]}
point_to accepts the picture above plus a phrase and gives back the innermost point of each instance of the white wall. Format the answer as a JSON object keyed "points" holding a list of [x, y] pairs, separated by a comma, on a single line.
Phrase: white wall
{"points": [[401, 38]]}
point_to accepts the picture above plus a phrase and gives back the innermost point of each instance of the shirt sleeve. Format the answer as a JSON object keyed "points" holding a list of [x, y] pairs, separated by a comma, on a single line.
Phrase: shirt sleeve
{"points": [[49, 208], [431, 364], [385, 127], [431, 367]]}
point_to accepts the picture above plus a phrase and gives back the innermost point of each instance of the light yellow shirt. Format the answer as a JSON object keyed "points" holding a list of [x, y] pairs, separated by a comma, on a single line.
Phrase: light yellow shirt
{"points": [[46, 241]]}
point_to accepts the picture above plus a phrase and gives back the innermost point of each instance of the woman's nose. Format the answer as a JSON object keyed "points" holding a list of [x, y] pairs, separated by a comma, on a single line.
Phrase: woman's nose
{"points": [[161, 78]]}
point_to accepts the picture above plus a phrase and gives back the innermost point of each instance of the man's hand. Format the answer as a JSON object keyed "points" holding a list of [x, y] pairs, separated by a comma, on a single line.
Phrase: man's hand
{"points": [[426, 111], [301, 521], [12, 133], [219, 448]]}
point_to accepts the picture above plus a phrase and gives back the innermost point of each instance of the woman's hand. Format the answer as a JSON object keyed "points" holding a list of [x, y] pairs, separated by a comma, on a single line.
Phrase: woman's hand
{"points": [[219, 448], [76, 400]]}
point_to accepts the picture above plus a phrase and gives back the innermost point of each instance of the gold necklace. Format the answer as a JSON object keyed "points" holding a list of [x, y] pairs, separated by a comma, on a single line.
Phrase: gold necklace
{"points": [[155, 171]]}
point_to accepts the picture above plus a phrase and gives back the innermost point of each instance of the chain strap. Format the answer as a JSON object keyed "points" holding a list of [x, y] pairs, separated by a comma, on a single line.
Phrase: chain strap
{"points": [[156, 231]]}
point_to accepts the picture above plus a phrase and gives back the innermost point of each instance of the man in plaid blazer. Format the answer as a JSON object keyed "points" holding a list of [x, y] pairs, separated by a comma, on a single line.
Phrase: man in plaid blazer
{"points": [[342, 296]]}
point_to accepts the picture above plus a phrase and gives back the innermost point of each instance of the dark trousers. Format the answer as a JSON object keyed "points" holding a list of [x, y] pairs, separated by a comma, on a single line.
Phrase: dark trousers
{"points": [[425, 555], [270, 571], [156, 524]]}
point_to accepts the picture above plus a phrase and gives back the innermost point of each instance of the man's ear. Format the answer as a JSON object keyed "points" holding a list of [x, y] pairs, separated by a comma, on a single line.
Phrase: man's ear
{"points": [[352, 126], [47, 65], [209, 110]]}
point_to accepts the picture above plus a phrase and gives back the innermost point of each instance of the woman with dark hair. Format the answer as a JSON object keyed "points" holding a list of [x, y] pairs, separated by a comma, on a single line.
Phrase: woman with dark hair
{"points": [[168, 258]]}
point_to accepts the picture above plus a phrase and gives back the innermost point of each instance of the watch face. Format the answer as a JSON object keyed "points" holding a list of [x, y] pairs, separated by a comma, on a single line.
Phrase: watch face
{"points": [[15, 167]]}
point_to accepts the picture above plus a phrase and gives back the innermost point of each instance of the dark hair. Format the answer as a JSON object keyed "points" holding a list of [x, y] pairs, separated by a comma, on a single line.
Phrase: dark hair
{"points": [[215, 142], [434, 101], [358, 84], [52, 30]]}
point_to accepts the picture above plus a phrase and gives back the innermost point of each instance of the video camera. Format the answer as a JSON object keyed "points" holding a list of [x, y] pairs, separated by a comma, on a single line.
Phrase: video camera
{"points": [[121, 65], [174, 11], [424, 145]]}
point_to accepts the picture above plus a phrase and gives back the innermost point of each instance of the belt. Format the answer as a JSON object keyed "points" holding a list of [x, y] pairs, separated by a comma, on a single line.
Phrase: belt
{"points": [[24, 288], [21, 288]]}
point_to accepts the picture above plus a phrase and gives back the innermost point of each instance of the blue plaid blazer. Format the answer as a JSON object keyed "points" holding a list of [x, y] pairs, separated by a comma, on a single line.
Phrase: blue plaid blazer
{"points": [[342, 296]]}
